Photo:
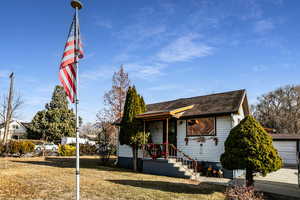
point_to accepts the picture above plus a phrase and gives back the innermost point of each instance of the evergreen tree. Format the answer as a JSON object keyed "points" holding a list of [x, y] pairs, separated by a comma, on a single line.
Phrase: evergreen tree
{"points": [[132, 130], [56, 121], [250, 147]]}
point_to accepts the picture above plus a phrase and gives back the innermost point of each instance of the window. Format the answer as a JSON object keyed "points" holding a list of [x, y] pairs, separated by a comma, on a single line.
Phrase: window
{"points": [[200, 126]]}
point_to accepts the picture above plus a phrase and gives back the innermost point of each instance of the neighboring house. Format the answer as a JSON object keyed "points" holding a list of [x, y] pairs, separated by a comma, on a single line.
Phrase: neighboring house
{"points": [[72, 140], [187, 131], [287, 146], [17, 130]]}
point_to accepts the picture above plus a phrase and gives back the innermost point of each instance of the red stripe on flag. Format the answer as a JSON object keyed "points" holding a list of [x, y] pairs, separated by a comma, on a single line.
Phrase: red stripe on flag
{"points": [[70, 80], [71, 98], [72, 68], [66, 53], [67, 62]]}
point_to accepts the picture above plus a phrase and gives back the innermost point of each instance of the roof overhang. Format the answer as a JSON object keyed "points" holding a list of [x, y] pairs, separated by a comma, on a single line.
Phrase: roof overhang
{"points": [[285, 137], [163, 114]]}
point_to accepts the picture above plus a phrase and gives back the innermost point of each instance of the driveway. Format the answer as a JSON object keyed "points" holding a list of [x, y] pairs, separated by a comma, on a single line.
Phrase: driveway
{"points": [[283, 182]]}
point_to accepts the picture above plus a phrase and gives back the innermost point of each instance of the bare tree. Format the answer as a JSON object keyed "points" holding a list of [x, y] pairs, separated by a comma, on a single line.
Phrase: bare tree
{"points": [[106, 137], [114, 99], [6, 115], [106, 120], [10, 105], [88, 130], [280, 110]]}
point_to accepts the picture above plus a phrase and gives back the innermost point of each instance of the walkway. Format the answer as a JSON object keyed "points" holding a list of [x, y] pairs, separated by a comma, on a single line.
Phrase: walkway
{"points": [[282, 182]]}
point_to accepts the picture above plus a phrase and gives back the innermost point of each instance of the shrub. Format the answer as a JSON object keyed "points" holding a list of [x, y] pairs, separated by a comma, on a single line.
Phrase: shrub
{"points": [[250, 147], [2, 148], [66, 150], [87, 149], [26, 147], [242, 193], [17, 147]]}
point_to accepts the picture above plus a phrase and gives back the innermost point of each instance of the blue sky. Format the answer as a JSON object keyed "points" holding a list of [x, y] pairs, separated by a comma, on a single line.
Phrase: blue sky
{"points": [[171, 49]]}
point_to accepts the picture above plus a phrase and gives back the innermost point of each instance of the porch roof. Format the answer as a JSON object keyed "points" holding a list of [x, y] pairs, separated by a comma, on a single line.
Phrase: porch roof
{"points": [[164, 113]]}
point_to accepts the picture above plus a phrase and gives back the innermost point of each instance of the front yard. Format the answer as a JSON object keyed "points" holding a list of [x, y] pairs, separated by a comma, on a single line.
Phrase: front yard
{"points": [[53, 178]]}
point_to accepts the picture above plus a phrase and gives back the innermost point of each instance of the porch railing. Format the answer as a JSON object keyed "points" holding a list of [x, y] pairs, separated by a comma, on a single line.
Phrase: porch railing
{"points": [[186, 160], [156, 151]]}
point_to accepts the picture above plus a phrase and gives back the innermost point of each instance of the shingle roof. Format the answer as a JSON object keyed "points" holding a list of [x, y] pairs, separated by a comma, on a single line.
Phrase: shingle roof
{"points": [[220, 103]]}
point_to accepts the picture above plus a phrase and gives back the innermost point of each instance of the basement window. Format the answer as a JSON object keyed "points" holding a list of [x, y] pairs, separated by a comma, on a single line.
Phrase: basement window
{"points": [[204, 126]]}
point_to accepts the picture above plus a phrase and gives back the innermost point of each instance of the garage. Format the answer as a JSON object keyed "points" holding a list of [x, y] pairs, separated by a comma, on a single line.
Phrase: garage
{"points": [[287, 146]]}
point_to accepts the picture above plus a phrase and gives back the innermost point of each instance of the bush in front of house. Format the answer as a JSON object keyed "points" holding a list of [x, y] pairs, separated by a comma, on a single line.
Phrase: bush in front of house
{"points": [[26, 147], [250, 147], [66, 150], [70, 149], [18, 148], [242, 193], [87, 149]]}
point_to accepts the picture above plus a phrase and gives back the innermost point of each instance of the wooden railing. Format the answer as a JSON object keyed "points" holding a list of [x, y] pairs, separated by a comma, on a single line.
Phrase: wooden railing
{"points": [[156, 151]]}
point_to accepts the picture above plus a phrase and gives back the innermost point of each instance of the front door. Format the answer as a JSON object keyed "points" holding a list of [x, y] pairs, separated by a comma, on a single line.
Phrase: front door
{"points": [[172, 128]]}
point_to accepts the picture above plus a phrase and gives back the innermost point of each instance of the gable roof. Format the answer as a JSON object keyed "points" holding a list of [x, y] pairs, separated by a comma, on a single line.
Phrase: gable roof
{"points": [[23, 124], [213, 104]]}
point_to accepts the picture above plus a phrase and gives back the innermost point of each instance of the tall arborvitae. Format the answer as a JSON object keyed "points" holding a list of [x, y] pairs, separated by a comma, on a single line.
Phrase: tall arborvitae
{"points": [[250, 147], [56, 121], [132, 130]]}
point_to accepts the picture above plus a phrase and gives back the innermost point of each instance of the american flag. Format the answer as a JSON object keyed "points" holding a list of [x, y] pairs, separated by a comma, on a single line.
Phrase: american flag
{"points": [[73, 51]]}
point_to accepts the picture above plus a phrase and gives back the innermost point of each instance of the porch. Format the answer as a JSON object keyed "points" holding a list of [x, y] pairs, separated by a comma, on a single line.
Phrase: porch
{"points": [[162, 126]]}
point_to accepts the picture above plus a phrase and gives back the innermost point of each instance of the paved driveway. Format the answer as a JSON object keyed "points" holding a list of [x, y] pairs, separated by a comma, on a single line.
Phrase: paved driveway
{"points": [[283, 181], [283, 175]]}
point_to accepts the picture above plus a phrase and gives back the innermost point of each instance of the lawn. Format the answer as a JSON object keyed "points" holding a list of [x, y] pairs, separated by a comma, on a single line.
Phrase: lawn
{"points": [[53, 178]]}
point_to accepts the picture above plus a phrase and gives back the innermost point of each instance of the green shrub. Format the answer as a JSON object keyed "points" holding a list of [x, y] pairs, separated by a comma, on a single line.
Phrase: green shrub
{"points": [[66, 150], [17, 147], [250, 147]]}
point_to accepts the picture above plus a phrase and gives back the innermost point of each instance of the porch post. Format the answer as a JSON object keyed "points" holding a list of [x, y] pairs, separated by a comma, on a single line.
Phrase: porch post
{"points": [[144, 138], [167, 138], [144, 131]]}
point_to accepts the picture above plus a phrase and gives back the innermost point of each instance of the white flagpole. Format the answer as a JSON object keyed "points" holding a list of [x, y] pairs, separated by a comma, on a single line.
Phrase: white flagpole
{"points": [[77, 5]]}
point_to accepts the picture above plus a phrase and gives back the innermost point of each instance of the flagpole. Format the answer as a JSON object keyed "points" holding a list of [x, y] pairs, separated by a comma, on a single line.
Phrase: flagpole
{"points": [[77, 5]]}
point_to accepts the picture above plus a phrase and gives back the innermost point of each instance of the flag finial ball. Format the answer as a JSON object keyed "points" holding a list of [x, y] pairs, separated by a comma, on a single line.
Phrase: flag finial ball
{"points": [[76, 4]]}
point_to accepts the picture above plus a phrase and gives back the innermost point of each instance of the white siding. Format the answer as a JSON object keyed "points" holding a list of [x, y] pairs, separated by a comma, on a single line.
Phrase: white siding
{"points": [[156, 130], [15, 128], [238, 117], [126, 151], [208, 151], [287, 151]]}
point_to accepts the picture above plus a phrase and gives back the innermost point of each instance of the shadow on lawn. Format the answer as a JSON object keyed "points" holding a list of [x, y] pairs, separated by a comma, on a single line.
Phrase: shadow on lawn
{"points": [[62, 162], [185, 188]]}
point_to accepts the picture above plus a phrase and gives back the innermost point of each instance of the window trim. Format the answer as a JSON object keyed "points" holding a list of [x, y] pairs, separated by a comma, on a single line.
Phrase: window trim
{"points": [[186, 127]]}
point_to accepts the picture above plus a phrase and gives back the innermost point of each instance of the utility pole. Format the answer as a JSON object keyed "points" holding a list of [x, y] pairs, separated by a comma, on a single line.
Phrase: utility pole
{"points": [[9, 108]]}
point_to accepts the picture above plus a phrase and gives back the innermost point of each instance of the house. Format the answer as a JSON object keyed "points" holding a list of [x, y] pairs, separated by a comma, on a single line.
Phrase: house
{"points": [[186, 132], [287, 146], [17, 130]]}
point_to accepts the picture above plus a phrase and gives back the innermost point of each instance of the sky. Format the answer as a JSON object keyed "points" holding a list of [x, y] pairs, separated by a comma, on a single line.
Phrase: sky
{"points": [[170, 48]]}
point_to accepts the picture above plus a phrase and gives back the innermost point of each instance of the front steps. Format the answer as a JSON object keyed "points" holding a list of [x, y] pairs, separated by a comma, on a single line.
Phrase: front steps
{"points": [[190, 173]]}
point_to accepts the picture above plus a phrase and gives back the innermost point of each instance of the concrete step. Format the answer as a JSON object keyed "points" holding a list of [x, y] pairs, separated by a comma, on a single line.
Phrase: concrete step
{"points": [[184, 169]]}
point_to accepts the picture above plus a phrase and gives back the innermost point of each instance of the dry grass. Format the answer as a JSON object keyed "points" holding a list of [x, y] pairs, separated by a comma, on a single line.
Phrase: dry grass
{"points": [[53, 178]]}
